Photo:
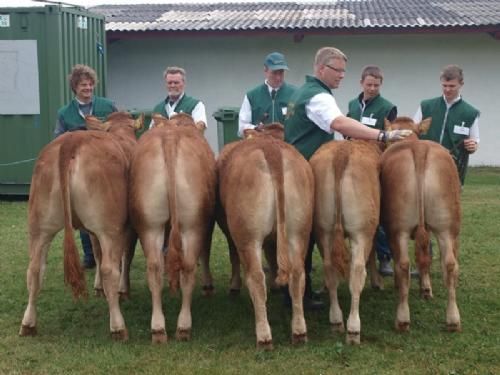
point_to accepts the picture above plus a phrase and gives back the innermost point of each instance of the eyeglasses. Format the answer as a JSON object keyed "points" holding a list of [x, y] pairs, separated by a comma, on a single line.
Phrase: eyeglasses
{"points": [[336, 69]]}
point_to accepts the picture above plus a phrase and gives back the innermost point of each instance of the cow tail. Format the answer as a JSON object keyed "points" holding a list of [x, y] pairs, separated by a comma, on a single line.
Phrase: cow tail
{"points": [[339, 251], [73, 272], [274, 159], [173, 258], [422, 238]]}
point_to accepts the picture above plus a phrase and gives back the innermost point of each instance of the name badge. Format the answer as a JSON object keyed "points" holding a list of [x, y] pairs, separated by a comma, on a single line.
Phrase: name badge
{"points": [[461, 129], [283, 110], [370, 121]]}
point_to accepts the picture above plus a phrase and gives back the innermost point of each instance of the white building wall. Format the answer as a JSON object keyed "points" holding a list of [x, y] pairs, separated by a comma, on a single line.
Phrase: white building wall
{"points": [[221, 69]]}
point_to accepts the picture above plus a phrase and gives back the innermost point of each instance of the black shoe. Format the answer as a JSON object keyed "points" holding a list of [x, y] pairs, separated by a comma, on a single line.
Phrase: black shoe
{"points": [[89, 263]]}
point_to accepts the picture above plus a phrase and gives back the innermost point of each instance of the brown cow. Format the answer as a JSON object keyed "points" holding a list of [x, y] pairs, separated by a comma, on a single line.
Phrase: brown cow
{"points": [[266, 194], [421, 194], [80, 180], [277, 131], [347, 204], [172, 201]]}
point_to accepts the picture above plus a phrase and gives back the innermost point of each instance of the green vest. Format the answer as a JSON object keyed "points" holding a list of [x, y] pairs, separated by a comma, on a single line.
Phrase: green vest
{"points": [[443, 131], [377, 108], [264, 109], [185, 105], [300, 131], [72, 119]]}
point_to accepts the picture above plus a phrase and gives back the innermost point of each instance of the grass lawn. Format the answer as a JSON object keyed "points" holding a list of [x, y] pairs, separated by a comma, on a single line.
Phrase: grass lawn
{"points": [[73, 337]]}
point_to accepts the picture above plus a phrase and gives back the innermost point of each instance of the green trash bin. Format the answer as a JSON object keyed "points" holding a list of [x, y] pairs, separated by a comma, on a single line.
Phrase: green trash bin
{"points": [[227, 125]]}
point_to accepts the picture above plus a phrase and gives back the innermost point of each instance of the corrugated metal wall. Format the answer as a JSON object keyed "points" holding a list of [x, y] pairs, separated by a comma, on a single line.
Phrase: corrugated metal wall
{"points": [[64, 37]]}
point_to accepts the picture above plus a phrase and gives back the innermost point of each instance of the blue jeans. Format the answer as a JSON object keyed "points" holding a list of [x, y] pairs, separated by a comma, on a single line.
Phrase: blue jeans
{"points": [[382, 245], [88, 254]]}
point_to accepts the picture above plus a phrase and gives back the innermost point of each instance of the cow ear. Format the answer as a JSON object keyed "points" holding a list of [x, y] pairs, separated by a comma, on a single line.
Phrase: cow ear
{"points": [[139, 122], [424, 125], [93, 123], [249, 133], [201, 126], [387, 124]]}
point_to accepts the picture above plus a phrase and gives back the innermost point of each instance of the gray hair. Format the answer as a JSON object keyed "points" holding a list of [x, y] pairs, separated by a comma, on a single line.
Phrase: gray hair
{"points": [[174, 70]]}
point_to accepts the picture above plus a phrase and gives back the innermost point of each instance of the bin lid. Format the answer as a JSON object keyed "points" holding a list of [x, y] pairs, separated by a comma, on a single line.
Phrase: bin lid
{"points": [[226, 113]]}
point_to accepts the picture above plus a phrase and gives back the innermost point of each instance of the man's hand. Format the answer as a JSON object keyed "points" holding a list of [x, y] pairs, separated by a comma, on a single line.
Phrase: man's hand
{"points": [[396, 135], [470, 145]]}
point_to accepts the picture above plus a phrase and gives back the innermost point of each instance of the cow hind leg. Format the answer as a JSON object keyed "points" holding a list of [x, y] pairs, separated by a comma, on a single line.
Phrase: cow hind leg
{"points": [[256, 283], [272, 263], [152, 245], [449, 266], [399, 245], [332, 281], [207, 281], [192, 243], [96, 248], [376, 280], [128, 256], [361, 248], [235, 283], [296, 286], [39, 247], [109, 268]]}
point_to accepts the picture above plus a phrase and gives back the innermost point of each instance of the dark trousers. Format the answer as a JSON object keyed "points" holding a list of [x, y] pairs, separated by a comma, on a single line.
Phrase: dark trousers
{"points": [[382, 245], [88, 254]]}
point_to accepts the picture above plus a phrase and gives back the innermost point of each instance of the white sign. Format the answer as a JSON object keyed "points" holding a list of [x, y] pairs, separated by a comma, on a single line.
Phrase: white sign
{"points": [[82, 22], [19, 85], [4, 20]]}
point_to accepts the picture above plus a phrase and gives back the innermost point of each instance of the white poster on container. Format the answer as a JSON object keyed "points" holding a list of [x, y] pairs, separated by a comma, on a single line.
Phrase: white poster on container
{"points": [[19, 85]]}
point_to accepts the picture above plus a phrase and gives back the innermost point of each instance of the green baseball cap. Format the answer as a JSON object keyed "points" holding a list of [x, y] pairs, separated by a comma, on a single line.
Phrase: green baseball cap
{"points": [[276, 61]]}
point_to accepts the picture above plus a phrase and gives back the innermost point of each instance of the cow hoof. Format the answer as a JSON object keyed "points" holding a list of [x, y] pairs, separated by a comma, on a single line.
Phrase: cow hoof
{"points": [[299, 339], [426, 293], [159, 337], [265, 345], [338, 327], [183, 334], [99, 293], [208, 290], [402, 326], [27, 331], [454, 327], [234, 292], [121, 335], [353, 338]]}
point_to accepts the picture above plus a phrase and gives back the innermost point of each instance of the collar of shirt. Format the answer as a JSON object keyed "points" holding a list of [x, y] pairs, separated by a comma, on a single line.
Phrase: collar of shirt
{"points": [[84, 108], [174, 103], [448, 105], [269, 88]]}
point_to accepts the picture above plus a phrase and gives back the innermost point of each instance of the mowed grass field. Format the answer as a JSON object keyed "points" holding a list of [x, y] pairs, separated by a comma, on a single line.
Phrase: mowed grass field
{"points": [[73, 337]]}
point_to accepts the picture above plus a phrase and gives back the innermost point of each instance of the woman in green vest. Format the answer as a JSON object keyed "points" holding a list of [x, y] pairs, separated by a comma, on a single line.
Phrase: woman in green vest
{"points": [[82, 80], [455, 123], [268, 102]]}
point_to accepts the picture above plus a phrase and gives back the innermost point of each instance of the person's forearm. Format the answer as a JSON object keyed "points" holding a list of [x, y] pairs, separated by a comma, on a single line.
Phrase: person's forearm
{"points": [[354, 129]]}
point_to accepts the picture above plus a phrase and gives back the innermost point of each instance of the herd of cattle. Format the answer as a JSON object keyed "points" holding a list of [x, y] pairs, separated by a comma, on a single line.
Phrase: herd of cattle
{"points": [[168, 190]]}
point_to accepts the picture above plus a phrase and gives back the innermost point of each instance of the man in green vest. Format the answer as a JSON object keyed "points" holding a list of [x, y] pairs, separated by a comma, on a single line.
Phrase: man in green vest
{"points": [[370, 108], [455, 123], [268, 102], [177, 101], [313, 116], [82, 80]]}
